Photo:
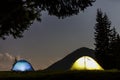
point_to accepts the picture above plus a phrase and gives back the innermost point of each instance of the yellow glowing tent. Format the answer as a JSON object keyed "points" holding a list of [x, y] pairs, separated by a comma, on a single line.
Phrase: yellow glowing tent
{"points": [[86, 63]]}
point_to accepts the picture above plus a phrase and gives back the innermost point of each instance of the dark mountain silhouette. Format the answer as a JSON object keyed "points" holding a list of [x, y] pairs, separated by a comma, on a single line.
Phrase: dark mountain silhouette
{"points": [[66, 62]]}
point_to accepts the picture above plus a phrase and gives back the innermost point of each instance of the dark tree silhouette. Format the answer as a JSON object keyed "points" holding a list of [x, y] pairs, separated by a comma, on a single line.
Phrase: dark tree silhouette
{"points": [[115, 49], [107, 42], [102, 39], [63, 8], [17, 15]]}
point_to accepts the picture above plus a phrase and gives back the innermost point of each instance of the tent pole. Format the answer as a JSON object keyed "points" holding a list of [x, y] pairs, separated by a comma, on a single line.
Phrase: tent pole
{"points": [[84, 63]]}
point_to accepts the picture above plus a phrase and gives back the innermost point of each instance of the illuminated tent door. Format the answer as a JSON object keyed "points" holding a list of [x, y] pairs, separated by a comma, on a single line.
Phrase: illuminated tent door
{"points": [[22, 65], [86, 63]]}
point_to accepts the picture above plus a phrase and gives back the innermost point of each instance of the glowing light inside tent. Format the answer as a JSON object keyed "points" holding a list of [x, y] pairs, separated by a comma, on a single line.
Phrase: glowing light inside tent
{"points": [[22, 65], [86, 63]]}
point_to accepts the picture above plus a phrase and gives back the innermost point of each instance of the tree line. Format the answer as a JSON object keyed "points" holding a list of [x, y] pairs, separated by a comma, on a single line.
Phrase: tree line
{"points": [[107, 42]]}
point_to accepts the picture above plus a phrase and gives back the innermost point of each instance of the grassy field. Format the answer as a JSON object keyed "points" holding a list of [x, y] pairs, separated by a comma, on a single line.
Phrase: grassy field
{"points": [[61, 75]]}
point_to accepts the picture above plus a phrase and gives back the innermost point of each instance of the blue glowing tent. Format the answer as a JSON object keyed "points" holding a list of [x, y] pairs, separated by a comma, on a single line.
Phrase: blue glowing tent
{"points": [[22, 65]]}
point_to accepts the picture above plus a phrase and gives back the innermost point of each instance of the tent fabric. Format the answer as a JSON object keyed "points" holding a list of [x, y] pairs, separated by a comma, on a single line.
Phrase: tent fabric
{"points": [[86, 63], [22, 65]]}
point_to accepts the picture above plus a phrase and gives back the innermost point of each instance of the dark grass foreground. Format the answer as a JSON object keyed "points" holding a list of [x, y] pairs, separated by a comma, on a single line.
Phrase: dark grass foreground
{"points": [[60, 75]]}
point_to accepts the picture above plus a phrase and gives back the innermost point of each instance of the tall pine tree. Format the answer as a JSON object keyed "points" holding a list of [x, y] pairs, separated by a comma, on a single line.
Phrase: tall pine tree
{"points": [[102, 39], [115, 49], [107, 42], [117, 52]]}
